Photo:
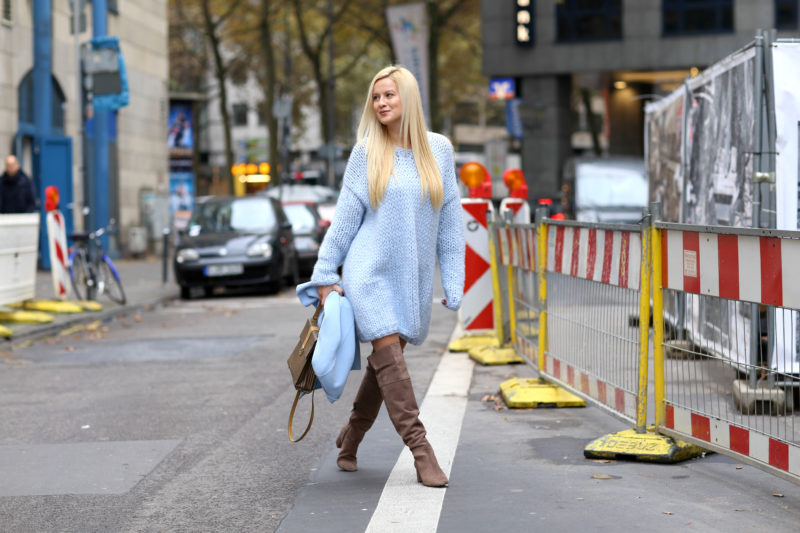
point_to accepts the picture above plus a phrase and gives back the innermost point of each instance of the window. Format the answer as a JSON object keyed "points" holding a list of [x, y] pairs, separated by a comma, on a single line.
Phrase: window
{"points": [[786, 14], [692, 17], [240, 114], [6, 14], [588, 20], [262, 113]]}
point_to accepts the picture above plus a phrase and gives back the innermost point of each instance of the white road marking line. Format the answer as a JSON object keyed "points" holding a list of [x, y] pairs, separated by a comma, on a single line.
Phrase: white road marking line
{"points": [[406, 505]]}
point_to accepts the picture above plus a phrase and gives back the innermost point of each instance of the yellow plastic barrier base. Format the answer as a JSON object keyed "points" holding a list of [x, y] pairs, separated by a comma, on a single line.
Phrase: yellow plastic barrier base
{"points": [[468, 342], [25, 317], [89, 305], [5, 332], [537, 393], [495, 355], [646, 447], [48, 306]]}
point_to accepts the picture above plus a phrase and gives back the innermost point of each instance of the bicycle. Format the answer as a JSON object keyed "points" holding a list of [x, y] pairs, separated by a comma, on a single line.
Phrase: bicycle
{"points": [[91, 271]]}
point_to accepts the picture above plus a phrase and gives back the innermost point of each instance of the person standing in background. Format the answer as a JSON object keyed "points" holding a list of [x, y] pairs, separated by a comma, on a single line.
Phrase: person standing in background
{"points": [[17, 193]]}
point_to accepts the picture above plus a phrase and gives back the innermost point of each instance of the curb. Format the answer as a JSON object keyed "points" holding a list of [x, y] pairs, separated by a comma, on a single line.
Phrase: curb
{"points": [[46, 330]]}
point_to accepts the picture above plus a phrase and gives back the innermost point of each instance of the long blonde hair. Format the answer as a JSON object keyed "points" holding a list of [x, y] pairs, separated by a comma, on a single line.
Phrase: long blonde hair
{"points": [[380, 148]]}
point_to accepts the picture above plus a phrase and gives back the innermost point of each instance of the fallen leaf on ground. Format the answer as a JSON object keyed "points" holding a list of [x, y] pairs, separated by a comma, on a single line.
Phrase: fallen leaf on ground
{"points": [[777, 495], [8, 355], [138, 318], [498, 407], [667, 512], [602, 476], [739, 467], [70, 348], [602, 461]]}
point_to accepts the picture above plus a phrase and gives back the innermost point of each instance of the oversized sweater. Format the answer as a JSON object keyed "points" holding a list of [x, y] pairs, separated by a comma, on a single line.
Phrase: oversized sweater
{"points": [[389, 253]]}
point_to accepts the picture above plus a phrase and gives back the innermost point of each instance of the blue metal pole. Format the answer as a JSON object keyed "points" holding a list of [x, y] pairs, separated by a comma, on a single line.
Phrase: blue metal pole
{"points": [[99, 189], [42, 60], [42, 103]]}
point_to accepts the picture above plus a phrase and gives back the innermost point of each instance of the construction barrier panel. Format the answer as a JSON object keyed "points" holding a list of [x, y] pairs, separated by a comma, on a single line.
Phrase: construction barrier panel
{"points": [[477, 307], [57, 244], [595, 284], [517, 247], [19, 239], [727, 338]]}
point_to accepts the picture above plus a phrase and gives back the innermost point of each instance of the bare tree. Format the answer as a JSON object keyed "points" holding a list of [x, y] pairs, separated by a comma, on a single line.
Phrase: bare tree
{"points": [[214, 32]]}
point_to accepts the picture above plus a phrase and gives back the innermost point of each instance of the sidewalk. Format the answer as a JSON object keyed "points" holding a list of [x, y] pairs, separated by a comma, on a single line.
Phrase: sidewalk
{"points": [[141, 280], [524, 470]]}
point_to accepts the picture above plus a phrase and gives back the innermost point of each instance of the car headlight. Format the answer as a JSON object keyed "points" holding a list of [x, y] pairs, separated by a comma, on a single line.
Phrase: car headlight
{"points": [[186, 254], [260, 249]]}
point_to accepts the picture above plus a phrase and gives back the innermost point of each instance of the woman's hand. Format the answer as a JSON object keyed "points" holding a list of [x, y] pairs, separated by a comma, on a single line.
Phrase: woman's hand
{"points": [[324, 290]]}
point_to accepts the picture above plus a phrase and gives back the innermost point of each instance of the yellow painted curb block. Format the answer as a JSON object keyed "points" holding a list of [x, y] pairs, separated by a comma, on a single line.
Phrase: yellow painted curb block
{"points": [[493, 355], [25, 317], [48, 306], [646, 447], [5, 332], [89, 305], [537, 393], [467, 342]]}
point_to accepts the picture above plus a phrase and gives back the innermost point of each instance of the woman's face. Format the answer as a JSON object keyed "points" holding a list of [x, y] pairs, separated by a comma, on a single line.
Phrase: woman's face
{"points": [[386, 102]]}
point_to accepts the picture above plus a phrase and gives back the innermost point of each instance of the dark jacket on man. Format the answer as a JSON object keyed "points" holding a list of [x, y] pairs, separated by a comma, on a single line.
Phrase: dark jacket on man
{"points": [[17, 194]]}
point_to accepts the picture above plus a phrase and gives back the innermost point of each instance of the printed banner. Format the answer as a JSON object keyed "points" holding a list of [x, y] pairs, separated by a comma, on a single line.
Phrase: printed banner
{"points": [[409, 29]]}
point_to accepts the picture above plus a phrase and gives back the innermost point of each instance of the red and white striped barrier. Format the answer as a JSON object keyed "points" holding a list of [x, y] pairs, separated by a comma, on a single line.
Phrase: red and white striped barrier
{"points": [[606, 393], [752, 444], [517, 247], [738, 267], [607, 256], [521, 211], [57, 243], [477, 311]]}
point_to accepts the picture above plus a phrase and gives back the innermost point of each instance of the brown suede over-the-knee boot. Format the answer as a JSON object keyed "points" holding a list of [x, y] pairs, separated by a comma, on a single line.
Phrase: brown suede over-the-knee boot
{"points": [[365, 410], [398, 395]]}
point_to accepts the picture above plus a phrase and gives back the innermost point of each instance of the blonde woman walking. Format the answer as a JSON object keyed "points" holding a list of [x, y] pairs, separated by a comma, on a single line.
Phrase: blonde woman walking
{"points": [[398, 212]]}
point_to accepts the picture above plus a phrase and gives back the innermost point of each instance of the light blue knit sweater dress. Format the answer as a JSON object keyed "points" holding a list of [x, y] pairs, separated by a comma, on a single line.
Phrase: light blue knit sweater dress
{"points": [[389, 253]]}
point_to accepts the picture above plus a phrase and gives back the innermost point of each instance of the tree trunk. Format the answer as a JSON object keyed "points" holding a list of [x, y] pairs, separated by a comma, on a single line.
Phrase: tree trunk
{"points": [[269, 87], [220, 73]]}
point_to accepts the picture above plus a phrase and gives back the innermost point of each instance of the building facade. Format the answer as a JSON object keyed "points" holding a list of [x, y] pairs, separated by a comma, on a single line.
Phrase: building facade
{"points": [[618, 54], [138, 149]]}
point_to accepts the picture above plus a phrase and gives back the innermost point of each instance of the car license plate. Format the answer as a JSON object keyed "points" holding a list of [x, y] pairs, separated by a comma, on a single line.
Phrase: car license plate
{"points": [[224, 270]]}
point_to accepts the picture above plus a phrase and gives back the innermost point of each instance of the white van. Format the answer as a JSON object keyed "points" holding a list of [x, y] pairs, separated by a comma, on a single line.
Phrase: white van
{"points": [[607, 189]]}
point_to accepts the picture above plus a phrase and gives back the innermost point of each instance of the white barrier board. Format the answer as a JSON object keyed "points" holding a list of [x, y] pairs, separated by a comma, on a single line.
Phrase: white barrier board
{"points": [[19, 245]]}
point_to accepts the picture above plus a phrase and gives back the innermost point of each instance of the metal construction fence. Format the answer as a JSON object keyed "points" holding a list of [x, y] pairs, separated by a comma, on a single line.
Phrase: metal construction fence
{"points": [[573, 289], [730, 336], [725, 327]]}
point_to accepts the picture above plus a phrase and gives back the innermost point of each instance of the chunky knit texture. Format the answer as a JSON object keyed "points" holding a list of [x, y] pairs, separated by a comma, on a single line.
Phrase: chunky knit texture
{"points": [[389, 253]]}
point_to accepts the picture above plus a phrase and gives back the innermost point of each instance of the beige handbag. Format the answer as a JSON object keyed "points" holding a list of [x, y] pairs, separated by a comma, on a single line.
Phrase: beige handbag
{"points": [[302, 372]]}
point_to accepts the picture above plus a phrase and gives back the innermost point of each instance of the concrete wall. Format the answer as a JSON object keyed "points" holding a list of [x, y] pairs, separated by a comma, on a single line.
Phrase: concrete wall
{"points": [[141, 26], [642, 46]]}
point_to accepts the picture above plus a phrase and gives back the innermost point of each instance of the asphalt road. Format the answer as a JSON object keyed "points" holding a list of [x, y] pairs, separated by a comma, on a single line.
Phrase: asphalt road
{"points": [[171, 420], [175, 420]]}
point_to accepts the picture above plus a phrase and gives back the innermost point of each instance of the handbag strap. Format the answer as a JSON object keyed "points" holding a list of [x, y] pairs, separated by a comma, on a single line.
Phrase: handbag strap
{"points": [[291, 417], [317, 312]]}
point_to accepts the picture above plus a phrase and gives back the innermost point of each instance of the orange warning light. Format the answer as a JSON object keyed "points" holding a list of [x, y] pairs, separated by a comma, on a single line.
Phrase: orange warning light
{"points": [[472, 174]]}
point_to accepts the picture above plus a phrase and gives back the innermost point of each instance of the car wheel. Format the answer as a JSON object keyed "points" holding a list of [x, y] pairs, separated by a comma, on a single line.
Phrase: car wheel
{"points": [[186, 293]]}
